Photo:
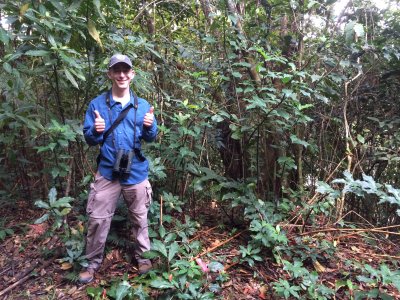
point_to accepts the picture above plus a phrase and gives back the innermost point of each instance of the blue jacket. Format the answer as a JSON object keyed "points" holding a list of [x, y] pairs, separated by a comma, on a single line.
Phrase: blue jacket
{"points": [[123, 135]]}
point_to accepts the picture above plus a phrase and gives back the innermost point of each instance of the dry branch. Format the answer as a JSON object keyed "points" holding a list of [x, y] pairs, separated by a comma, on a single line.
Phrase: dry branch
{"points": [[25, 278], [354, 230], [217, 246]]}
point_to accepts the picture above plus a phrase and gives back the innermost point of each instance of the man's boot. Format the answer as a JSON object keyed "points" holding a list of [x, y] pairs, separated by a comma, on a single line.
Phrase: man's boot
{"points": [[144, 266], [86, 276]]}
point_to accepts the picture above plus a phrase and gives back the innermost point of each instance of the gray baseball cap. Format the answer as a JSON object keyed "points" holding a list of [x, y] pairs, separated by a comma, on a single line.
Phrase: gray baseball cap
{"points": [[119, 58]]}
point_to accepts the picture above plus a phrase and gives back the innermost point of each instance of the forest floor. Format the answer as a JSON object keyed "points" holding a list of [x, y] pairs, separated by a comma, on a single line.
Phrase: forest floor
{"points": [[25, 274]]}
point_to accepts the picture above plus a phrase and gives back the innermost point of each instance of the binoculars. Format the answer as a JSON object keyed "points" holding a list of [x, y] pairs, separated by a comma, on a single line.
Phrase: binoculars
{"points": [[123, 163]]}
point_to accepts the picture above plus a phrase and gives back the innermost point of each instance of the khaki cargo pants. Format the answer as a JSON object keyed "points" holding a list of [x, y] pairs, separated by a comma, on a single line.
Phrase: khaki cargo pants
{"points": [[102, 201]]}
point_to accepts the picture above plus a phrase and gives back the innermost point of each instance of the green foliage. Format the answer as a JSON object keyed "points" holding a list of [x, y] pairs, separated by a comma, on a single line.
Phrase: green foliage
{"points": [[250, 255], [266, 234], [119, 290], [58, 139], [171, 244], [283, 288], [301, 280], [74, 246], [378, 280], [180, 275], [306, 249], [56, 209], [4, 232], [187, 280], [364, 188]]}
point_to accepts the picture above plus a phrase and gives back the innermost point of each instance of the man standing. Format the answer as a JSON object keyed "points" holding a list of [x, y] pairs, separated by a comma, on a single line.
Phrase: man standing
{"points": [[118, 120]]}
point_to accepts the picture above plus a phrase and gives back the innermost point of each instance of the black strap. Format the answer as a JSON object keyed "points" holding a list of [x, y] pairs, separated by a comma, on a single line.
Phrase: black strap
{"points": [[120, 117]]}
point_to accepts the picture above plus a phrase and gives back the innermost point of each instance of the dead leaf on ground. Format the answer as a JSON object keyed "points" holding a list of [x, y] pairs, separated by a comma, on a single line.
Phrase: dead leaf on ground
{"points": [[263, 291], [37, 229], [215, 243], [318, 267], [66, 266]]}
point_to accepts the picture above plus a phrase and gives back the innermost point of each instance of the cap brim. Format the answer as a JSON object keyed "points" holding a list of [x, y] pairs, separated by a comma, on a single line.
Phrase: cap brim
{"points": [[119, 62]]}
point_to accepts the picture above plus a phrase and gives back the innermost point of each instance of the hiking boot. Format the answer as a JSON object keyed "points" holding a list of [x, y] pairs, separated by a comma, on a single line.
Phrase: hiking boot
{"points": [[144, 266], [86, 276]]}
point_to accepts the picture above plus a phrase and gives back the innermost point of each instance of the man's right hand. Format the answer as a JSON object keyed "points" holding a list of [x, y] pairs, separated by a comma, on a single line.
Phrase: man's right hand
{"points": [[99, 123]]}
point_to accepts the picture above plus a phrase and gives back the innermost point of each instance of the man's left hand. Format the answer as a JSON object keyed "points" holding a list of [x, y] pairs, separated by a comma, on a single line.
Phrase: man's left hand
{"points": [[149, 117]]}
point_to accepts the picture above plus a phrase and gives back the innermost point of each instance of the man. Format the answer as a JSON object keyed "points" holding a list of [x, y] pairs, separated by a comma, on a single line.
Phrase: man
{"points": [[121, 166]]}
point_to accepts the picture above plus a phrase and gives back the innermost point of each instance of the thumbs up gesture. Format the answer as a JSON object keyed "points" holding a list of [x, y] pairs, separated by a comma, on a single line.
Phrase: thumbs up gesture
{"points": [[149, 117], [99, 123]]}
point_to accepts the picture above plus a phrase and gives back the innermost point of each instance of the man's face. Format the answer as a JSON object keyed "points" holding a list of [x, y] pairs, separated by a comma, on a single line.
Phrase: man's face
{"points": [[121, 75]]}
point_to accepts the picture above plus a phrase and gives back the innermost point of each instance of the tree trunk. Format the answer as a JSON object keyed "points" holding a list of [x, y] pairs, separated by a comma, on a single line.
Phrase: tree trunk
{"points": [[206, 7]]}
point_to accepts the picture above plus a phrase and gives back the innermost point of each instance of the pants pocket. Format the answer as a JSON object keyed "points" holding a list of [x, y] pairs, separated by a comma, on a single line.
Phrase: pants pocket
{"points": [[90, 202], [149, 195], [92, 193]]}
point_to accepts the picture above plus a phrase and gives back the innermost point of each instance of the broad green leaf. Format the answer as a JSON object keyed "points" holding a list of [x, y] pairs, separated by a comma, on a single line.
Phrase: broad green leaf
{"points": [[98, 10], [296, 140], [150, 254], [94, 291], [256, 102], [52, 195], [62, 202], [162, 231], [348, 31], [42, 219], [42, 204], [65, 211], [217, 118], [4, 37], [151, 49], [359, 30], [289, 94], [58, 5], [249, 89], [173, 249], [288, 162], [170, 237], [122, 290], [160, 247], [286, 78], [315, 77], [209, 39], [71, 78], [52, 41], [233, 18], [7, 67], [237, 74], [37, 53], [345, 63], [78, 73], [161, 284], [312, 3], [396, 281], [75, 5], [242, 64]]}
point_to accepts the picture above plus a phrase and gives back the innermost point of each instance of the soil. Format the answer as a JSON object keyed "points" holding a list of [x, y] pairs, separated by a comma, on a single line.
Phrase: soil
{"points": [[31, 265]]}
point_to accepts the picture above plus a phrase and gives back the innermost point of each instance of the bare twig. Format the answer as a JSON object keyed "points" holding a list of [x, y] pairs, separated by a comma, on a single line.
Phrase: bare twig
{"points": [[354, 230], [217, 246], [203, 233], [25, 278]]}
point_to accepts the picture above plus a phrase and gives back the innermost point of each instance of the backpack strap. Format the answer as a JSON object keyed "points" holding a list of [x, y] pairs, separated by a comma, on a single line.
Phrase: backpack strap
{"points": [[120, 117]]}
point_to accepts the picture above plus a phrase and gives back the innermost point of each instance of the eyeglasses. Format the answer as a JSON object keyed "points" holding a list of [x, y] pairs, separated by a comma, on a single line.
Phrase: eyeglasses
{"points": [[120, 68]]}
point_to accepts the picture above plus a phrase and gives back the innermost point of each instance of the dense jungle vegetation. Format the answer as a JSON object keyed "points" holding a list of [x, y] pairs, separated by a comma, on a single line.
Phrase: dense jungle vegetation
{"points": [[276, 167]]}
